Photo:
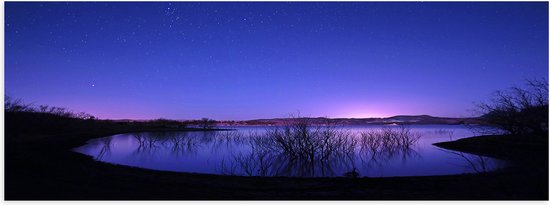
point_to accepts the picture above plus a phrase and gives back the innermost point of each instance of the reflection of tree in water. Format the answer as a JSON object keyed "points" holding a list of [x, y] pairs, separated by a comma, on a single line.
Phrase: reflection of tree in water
{"points": [[151, 139], [264, 161], [297, 149], [476, 163], [227, 140], [319, 151], [179, 143], [445, 132], [380, 158], [207, 136], [378, 147], [148, 143], [105, 147]]}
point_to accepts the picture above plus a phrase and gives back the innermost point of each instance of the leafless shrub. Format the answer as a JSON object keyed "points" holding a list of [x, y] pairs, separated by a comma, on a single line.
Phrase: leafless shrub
{"points": [[17, 105], [206, 123], [386, 143], [519, 110], [255, 163], [300, 139], [297, 148], [43, 108]]}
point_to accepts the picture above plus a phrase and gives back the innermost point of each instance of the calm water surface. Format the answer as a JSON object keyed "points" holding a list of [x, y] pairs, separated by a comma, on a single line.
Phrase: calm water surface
{"points": [[236, 153]]}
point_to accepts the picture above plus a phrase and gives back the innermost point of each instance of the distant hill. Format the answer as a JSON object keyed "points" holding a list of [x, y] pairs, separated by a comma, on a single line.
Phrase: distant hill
{"points": [[399, 119]]}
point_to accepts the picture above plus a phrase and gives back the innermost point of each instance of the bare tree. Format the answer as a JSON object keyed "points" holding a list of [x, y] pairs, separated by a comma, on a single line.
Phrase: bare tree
{"points": [[519, 111], [16, 105], [206, 123]]}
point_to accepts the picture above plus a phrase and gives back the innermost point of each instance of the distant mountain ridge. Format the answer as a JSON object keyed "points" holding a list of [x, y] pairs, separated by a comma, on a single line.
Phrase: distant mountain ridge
{"points": [[398, 119]]}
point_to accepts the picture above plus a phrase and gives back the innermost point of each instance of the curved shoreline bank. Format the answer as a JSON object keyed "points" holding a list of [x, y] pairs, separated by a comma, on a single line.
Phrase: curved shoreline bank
{"points": [[45, 168]]}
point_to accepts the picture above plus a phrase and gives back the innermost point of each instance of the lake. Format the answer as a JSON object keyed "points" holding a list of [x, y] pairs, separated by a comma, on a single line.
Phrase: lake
{"points": [[247, 152]]}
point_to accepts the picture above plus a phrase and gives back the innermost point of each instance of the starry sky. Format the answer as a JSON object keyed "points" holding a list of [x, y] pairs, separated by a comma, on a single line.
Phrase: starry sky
{"points": [[235, 61]]}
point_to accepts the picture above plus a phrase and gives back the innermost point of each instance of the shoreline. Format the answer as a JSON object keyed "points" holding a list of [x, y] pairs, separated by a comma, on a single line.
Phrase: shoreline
{"points": [[70, 175]]}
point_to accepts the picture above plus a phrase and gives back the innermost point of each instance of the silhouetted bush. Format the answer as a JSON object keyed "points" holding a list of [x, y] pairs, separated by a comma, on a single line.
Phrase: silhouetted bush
{"points": [[377, 146], [299, 139], [300, 148], [206, 123], [26, 118], [519, 111], [17, 105]]}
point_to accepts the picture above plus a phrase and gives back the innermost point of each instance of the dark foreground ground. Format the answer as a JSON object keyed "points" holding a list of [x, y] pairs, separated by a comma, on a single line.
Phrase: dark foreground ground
{"points": [[43, 167]]}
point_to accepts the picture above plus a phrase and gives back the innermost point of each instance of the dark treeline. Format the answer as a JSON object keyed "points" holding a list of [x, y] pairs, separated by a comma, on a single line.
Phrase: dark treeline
{"points": [[22, 118], [517, 111]]}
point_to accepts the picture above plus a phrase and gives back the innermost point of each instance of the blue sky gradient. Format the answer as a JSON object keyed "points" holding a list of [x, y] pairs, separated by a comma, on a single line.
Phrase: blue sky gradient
{"points": [[236, 61]]}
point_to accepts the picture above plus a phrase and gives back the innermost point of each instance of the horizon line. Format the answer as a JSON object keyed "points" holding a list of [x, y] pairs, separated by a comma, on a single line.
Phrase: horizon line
{"points": [[401, 115]]}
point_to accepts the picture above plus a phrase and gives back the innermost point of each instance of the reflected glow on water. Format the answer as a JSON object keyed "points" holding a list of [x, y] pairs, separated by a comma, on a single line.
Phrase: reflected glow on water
{"points": [[248, 152]]}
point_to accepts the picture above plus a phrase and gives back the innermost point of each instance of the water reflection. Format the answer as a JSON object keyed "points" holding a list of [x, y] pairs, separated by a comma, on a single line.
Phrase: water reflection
{"points": [[477, 163], [445, 132], [177, 143], [265, 159], [379, 147], [105, 147], [319, 151]]}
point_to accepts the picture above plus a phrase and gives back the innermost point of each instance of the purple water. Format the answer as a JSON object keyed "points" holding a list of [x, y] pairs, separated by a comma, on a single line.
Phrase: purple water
{"points": [[230, 153]]}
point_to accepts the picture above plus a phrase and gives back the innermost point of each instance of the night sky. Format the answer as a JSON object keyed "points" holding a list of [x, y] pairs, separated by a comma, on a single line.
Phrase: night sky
{"points": [[263, 60]]}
